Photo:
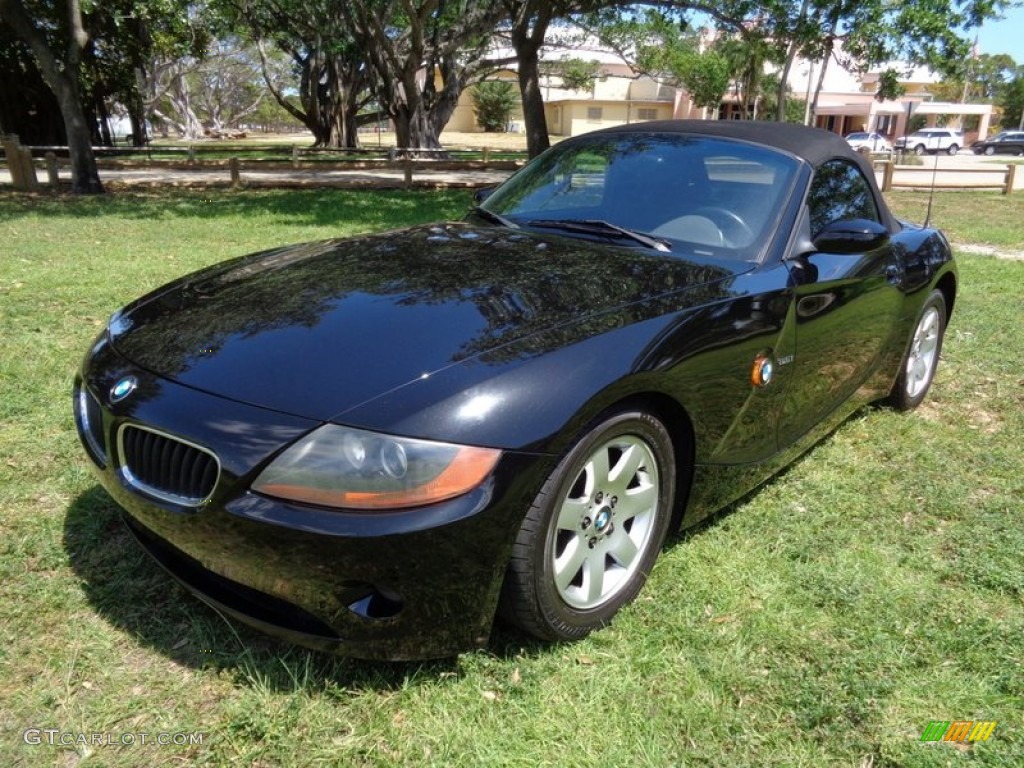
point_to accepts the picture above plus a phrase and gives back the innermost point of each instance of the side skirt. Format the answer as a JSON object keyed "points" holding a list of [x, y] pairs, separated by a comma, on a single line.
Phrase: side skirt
{"points": [[716, 486]]}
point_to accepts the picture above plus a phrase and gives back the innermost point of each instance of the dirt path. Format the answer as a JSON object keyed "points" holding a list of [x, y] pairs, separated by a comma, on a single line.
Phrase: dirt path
{"points": [[988, 250]]}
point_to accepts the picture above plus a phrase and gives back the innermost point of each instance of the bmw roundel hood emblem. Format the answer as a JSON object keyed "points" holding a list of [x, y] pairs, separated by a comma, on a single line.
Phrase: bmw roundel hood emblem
{"points": [[123, 388]]}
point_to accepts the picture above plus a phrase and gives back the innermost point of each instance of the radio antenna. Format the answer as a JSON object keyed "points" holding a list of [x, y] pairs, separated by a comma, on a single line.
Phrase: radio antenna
{"points": [[931, 192]]}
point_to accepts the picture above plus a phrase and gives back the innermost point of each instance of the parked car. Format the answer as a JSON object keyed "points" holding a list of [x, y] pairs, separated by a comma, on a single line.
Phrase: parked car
{"points": [[1005, 143], [931, 140], [873, 141], [372, 445]]}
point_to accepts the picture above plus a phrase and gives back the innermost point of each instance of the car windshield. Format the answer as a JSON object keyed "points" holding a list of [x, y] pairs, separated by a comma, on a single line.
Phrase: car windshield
{"points": [[688, 194], [857, 136]]}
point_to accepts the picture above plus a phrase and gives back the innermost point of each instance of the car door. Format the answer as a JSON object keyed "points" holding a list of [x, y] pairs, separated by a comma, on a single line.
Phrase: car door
{"points": [[941, 141], [845, 304]]}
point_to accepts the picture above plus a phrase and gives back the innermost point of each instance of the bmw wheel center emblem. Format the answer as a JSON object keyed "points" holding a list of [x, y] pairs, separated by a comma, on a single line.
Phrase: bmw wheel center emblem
{"points": [[123, 388]]}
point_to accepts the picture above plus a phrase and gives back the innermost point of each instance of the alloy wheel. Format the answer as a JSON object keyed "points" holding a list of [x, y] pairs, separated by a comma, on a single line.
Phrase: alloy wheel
{"points": [[924, 352], [605, 522]]}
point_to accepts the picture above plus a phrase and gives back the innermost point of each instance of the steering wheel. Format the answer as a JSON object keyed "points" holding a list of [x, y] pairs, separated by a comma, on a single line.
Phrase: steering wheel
{"points": [[737, 232], [695, 229]]}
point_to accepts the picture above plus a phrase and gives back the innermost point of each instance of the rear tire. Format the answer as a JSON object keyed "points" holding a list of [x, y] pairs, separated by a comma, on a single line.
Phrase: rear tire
{"points": [[922, 357], [952, 150], [594, 531]]}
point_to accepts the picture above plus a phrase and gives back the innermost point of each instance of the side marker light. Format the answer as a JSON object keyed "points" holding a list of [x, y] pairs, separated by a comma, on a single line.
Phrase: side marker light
{"points": [[763, 371]]}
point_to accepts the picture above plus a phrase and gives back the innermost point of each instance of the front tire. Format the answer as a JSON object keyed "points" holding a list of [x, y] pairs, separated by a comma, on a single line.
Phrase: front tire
{"points": [[952, 150], [990, 151], [594, 531], [922, 357], [919, 150]]}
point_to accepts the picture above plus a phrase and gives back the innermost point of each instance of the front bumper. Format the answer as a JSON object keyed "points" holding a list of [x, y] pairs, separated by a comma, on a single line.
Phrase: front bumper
{"points": [[409, 584]]}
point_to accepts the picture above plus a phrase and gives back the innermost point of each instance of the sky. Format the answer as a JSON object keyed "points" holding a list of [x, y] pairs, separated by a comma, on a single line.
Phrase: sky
{"points": [[1004, 36]]}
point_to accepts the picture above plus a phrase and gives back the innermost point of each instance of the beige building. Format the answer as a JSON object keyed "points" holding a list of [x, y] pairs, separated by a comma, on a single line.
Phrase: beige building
{"points": [[619, 95], [847, 101], [616, 96], [463, 119]]}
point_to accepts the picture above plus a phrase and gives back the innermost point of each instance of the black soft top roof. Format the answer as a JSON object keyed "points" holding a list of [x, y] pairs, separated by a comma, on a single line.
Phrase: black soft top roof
{"points": [[811, 144]]}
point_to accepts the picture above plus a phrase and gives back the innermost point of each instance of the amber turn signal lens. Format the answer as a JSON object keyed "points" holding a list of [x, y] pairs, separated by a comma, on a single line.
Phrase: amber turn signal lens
{"points": [[344, 467], [762, 371]]}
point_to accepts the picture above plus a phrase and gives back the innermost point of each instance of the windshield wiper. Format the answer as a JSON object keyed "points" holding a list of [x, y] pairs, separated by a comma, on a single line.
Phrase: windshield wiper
{"points": [[494, 218], [600, 227]]}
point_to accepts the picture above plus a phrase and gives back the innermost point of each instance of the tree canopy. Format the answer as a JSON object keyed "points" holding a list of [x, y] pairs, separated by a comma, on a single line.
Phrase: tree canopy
{"points": [[193, 65]]}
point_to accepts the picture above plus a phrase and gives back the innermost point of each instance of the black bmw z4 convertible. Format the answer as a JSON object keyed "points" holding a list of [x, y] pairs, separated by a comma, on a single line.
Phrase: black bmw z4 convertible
{"points": [[377, 445]]}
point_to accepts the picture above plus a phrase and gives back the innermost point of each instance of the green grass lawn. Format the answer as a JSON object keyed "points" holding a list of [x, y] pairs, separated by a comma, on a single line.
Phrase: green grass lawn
{"points": [[875, 586], [980, 218]]}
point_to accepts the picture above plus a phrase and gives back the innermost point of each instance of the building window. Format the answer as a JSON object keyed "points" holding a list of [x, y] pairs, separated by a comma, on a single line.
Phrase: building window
{"points": [[593, 114], [647, 113], [886, 124]]}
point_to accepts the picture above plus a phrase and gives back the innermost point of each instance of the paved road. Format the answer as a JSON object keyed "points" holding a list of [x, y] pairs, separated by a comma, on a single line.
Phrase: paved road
{"points": [[220, 176], [948, 170], [948, 173]]}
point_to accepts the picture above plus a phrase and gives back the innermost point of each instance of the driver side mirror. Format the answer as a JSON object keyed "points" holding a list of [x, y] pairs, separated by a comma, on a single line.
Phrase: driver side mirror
{"points": [[482, 194], [851, 236]]}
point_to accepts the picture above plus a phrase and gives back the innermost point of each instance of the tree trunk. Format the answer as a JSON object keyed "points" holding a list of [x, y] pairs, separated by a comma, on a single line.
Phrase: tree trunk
{"points": [[350, 118], [85, 178], [332, 99], [783, 92], [419, 130], [103, 121], [821, 81], [337, 132], [830, 42], [527, 41], [329, 95], [413, 127], [534, 118], [430, 110], [424, 133], [189, 124], [137, 117], [62, 78], [791, 51]]}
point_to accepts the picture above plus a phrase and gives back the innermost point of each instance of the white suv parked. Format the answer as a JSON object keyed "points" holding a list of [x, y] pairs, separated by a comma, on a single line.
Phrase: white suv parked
{"points": [[931, 140]]}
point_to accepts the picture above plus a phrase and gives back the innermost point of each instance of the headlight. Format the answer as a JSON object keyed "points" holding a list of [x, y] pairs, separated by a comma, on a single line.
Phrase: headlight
{"points": [[338, 466]]}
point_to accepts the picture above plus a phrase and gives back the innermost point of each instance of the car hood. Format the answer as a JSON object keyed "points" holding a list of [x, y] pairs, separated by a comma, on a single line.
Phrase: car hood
{"points": [[318, 328]]}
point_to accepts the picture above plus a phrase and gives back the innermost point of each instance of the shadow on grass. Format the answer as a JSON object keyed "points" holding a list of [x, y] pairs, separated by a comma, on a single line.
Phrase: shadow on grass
{"points": [[302, 207], [135, 595], [785, 463]]}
